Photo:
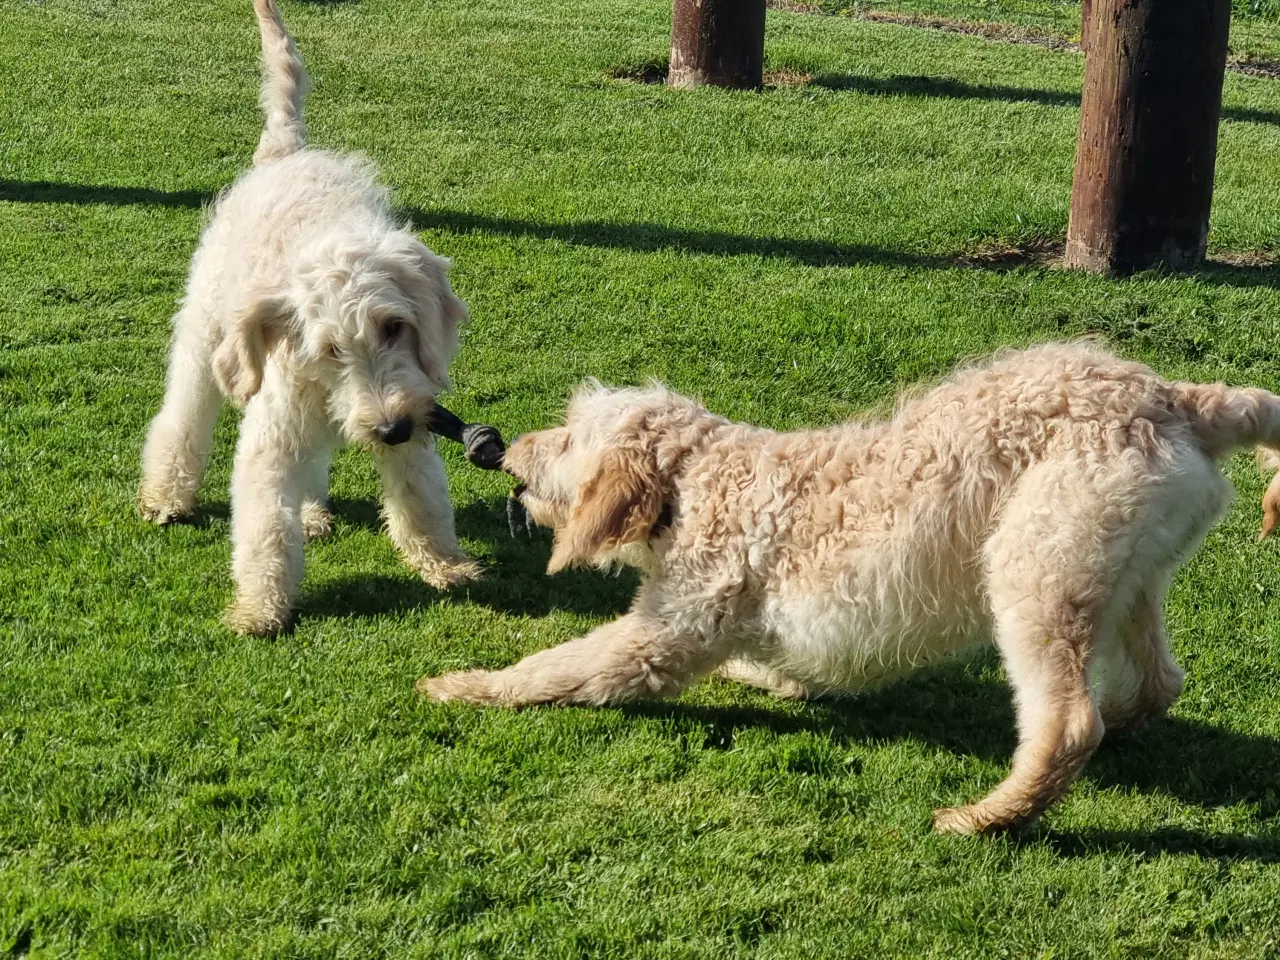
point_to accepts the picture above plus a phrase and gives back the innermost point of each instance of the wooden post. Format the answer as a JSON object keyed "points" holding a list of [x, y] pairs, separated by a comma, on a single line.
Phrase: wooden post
{"points": [[717, 42], [1148, 133]]}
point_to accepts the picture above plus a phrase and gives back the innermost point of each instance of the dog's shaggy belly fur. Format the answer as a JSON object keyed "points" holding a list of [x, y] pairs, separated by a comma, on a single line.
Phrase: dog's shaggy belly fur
{"points": [[1044, 500], [807, 545]]}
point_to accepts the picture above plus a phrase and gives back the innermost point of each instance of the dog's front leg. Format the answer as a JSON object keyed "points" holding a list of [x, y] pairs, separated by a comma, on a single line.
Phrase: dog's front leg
{"points": [[419, 516], [634, 656], [266, 499]]}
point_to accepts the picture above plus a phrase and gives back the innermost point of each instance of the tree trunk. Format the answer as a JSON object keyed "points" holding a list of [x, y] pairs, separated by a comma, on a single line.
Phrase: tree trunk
{"points": [[717, 42], [1148, 133]]}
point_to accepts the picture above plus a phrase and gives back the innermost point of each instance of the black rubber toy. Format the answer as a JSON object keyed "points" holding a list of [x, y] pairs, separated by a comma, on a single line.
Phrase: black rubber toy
{"points": [[482, 442], [484, 448], [518, 524]]}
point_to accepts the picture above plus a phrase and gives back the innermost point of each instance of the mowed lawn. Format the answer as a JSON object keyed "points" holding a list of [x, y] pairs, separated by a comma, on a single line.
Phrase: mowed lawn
{"points": [[793, 257]]}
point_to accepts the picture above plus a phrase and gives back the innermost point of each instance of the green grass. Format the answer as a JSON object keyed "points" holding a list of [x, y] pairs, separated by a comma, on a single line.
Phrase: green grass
{"points": [[168, 789]]}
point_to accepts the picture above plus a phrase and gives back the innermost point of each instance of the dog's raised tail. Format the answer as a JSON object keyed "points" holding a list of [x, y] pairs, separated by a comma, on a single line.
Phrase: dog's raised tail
{"points": [[1226, 418], [284, 87]]}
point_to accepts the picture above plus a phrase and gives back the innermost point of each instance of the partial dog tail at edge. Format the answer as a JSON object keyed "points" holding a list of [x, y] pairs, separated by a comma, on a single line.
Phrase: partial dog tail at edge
{"points": [[284, 87], [1225, 418]]}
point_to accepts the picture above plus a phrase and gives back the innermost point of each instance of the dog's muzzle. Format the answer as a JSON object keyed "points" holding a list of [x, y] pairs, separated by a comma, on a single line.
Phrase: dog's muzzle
{"points": [[396, 432]]}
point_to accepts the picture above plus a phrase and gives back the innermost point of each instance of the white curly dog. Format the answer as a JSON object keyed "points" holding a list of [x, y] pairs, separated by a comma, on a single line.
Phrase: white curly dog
{"points": [[327, 320], [1045, 499]]}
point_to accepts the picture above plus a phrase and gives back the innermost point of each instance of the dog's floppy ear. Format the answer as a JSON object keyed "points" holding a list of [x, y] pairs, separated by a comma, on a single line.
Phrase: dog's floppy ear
{"points": [[437, 347], [434, 353], [240, 358], [619, 504]]}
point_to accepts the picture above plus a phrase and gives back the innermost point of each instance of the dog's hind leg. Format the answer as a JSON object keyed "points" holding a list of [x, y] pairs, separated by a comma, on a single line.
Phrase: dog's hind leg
{"points": [[419, 516], [181, 435], [1138, 679], [634, 656], [1052, 567], [1135, 676], [1059, 727]]}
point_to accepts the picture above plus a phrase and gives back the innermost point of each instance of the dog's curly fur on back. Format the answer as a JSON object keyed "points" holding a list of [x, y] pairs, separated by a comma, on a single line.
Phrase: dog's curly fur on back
{"points": [[309, 305], [1045, 498]]}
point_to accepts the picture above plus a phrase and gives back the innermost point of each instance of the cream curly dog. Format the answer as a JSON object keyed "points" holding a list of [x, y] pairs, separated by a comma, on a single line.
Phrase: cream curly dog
{"points": [[312, 308], [1045, 498]]}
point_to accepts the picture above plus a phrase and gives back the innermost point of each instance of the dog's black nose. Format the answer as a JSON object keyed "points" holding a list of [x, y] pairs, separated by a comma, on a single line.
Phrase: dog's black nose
{"points": [[396, 432]]}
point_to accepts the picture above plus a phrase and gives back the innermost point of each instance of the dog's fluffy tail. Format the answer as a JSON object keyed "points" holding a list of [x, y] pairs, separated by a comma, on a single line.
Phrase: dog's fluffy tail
{"points": [[1225, 418], [284, 87]]}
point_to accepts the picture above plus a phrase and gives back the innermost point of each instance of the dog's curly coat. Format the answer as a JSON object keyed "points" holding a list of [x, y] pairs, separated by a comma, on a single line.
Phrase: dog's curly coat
{"points": [[1046, 498], [311, 307]]}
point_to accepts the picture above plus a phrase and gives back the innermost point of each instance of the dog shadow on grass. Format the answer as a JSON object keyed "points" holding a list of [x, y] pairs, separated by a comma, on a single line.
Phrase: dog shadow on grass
{"points": [[960, 707], [208, 515], [953, 707], [515, 581]]}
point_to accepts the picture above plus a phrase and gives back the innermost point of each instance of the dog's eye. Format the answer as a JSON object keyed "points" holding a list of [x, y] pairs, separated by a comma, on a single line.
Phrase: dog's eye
{"points": [[392, 329], [334, 351]]}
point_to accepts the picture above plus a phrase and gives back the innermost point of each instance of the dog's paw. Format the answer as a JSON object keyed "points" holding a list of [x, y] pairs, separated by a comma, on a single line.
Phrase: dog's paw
{"points": [[164, 510], [468, 686], [250, 619], [975, 820], [444, 574], [956, 820], [317, 521]]}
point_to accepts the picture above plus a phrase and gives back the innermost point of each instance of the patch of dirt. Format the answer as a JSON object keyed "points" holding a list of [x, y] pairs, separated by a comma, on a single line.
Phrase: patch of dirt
{"points": [[1001, 32], [1248, 259], [1247, 64], [1255, 66], [656, 73], [786, 78], [652, 73], [1048, 252], [794, 6], [998, 254]]}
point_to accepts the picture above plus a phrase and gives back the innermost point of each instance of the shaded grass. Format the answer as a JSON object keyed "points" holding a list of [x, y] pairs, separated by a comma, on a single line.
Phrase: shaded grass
{"points": [[793, 257]]}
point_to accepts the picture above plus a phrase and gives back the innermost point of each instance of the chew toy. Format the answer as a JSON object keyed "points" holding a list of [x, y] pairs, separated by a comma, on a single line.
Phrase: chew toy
{"points": [[483, 443]]}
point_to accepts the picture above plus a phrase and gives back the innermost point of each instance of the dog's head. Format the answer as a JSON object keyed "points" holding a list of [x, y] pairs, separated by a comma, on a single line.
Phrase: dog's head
{"points": [[603, 480], [372, 317]]}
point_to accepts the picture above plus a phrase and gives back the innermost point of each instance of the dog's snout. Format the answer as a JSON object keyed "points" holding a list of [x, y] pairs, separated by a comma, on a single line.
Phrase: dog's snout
{"points": [[398, 431], [503, 465]]}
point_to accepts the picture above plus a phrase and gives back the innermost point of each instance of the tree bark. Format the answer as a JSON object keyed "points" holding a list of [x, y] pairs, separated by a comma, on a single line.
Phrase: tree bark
{"points": [[717, 42], [1148, 133]]}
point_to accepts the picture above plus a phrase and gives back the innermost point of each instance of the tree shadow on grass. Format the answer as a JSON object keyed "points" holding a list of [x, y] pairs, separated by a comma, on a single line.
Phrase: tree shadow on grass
{"points": [[952, 707], [653, 237], [919, 85], [945, 87], [40, 191]]}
